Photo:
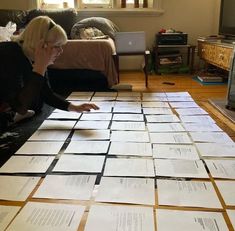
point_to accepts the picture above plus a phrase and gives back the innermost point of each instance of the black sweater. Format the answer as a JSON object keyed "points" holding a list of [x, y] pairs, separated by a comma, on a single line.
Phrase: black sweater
{"points": [[20, 87]]}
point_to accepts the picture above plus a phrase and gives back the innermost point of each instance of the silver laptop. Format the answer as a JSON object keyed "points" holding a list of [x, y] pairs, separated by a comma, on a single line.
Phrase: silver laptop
{"points": [[130, 42]]}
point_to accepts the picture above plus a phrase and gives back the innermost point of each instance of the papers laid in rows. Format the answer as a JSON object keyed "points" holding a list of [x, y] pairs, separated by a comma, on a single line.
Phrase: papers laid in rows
{"points": [[112, 218], [79, 163], [126, 190], [221, 168], [37, 148], [187, 194], [180, 168], [129, 167], [70, 187], [27, 164], [175, 151], [48, 216], [168, 220], [7, 213], [17, 188]]}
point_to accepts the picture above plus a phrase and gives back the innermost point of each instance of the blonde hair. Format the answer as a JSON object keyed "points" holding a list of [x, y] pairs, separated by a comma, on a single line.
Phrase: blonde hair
{"points": [[40, 28]]}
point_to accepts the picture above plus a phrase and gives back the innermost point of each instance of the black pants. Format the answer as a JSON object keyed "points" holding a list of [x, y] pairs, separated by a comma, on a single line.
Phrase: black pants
{"points": [[6, 118]]}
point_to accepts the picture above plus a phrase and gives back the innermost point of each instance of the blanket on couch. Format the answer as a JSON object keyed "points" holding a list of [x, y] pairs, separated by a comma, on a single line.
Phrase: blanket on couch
{"points": [[98, 57]]}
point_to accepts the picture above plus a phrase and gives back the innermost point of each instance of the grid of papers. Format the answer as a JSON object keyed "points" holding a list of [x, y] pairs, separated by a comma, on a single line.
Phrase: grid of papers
{"points": [[152, 149]]}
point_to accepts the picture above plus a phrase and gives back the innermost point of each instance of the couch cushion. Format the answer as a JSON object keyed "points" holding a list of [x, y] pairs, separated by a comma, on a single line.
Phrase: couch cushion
{"points": [[16, 16], [102, 24], [65, 18]]}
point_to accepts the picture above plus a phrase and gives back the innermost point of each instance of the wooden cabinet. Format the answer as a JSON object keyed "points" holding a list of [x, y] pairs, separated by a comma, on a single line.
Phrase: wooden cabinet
{"points": [[216, 53]]}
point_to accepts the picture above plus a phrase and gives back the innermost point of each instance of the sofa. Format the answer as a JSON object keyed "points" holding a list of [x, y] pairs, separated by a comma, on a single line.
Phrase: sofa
{"points": [[88, 61]]}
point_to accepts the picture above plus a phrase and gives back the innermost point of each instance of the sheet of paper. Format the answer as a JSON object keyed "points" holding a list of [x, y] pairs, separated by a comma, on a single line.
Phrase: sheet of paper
{"points": [[130, 136], [175, 151], [127, 109], [50, 135], [17, 188], [81, 163], [82, 93], [38, 148], [86, 124], [121, 218], [129, 167], [103, 98], [128, 126], [96, 116], [227, 190], [178, 94], [91, 135], [157, 111], [156, 104], [27, 164], [48, 216], [105, 93], [79, 97], [199, 127], [128, 98], [221, 168], [103, 104], [7, 213], [216, 150], [103, 108], [183, 105], [180, 168], [68, 187], [88, 147], [128, 117], [64, 115], [129, 93], [130, 149], [165, 127], [177, 220], [187, 193], [150, 98], [126, 190], [127, 104], [154, 94], [203, 119], [170, 138], [211, 137], [180, 99], [57, 124], [231, 215], [162, 118], [191, 111]]}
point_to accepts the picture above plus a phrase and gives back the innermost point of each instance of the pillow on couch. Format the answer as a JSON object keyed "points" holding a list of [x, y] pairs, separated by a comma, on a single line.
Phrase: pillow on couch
{"points": [[106, 26], [91, 33], [16, 16], [65, 18]]}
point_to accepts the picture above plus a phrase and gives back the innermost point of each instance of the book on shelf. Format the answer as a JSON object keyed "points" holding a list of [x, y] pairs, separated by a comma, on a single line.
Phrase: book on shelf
{"points": [[170, 59]]}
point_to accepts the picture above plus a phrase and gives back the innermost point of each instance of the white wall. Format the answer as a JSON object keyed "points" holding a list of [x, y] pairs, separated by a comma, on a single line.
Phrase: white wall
{"points": [[15, 4], [195, 17]]}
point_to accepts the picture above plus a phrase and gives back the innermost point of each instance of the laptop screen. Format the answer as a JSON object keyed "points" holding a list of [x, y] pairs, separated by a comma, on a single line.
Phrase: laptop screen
{"points": [[130, 42]]}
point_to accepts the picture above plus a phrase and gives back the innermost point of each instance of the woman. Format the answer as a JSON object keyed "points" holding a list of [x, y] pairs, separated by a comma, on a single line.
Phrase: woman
{"points": [[23, 65]]}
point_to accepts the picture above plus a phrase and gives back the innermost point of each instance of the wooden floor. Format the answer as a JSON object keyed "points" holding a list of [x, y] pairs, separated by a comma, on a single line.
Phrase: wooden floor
{"points": [[200, 93]]}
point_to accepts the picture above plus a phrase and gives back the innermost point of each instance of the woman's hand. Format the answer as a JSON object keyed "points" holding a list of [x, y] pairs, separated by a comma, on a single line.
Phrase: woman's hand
{"points": [[82, 107]]}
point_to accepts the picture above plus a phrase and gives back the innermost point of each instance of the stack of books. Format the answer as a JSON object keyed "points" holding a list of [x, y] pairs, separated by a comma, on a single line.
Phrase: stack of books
{"points": [[210, 79]]}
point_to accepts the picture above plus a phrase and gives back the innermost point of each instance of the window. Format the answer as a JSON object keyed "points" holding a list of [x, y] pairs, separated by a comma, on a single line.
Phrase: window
{"points": [[94, 3], [112, 4], [54, 4]]}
